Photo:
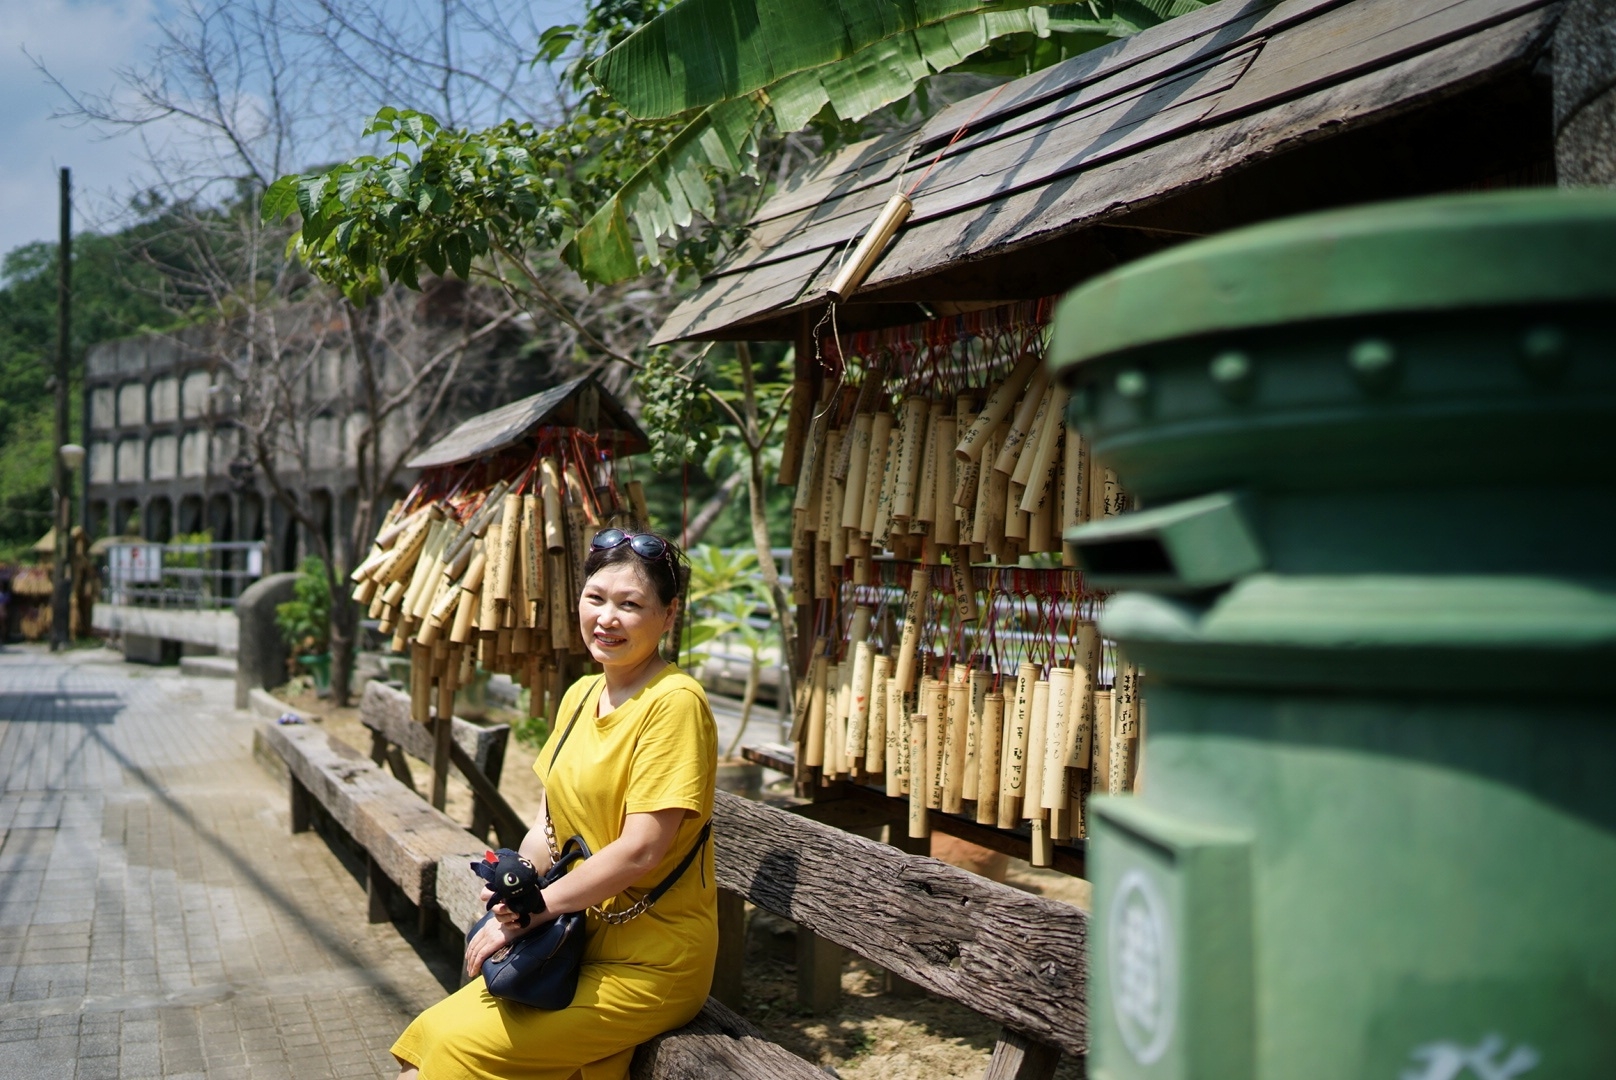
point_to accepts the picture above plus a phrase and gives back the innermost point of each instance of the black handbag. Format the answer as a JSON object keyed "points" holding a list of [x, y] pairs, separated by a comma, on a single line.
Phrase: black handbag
{"points": [[540, 969]]}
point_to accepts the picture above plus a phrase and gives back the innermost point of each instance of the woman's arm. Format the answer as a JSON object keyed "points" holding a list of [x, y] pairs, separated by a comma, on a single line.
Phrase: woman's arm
{"points": [[643, 844]]}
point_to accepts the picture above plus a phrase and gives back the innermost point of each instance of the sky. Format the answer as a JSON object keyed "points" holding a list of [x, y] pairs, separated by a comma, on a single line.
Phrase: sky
{"points": [[84, 43]]}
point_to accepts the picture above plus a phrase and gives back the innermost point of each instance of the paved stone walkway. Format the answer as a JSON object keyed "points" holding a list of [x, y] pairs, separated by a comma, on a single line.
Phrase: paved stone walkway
{"points": [[157, 919]]}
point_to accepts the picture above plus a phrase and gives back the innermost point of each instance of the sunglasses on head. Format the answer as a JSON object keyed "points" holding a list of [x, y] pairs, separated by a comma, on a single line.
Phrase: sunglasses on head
{"points": [[644, 545]]}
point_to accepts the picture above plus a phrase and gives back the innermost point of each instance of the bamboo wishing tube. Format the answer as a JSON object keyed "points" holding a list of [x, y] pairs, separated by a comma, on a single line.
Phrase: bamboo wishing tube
{"points": [[808, 472], [488, 610], [470, 593], [1085, 676], [555, 537], [934, 703], [814, 741], [1100, 765], [830, 509], [870, 248], [858, 466], [955, 738], [508, 544], [919, 827], [912, 445], [897, 741], [926, 492], [998, 406], [875, 746], [1073, 468], [1032, 803], [1013, 758], [1022, 473], [977, 700], [914, 611], [984, 493], [945, 522], [881, 529], [1056, 795], [1043, 461], [858, 720], [988, 746], [874, 473], [1010, 449]]}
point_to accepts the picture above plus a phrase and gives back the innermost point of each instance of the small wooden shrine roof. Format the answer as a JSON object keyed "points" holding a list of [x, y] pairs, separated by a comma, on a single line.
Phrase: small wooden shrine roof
{"points": [[560, 406], [1240, 112]]}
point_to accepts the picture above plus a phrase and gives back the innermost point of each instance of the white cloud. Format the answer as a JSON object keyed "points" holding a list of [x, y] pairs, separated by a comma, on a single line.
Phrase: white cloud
{"points": [[82, 42]]}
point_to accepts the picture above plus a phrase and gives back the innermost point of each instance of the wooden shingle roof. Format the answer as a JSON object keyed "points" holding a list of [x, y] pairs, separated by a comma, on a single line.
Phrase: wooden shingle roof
{"points": [[508, 425], [1170, 133]]}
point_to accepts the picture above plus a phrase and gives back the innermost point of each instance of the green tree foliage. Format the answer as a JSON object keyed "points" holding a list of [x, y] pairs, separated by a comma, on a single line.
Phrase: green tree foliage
{"points": [[112, 296]]}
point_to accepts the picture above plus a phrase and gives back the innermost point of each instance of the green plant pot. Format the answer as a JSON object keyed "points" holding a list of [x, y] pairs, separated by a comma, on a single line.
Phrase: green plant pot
{"points": [[319, 668]]}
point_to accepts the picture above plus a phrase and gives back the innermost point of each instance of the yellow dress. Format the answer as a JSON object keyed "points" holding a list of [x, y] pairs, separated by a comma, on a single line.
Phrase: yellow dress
{"points": [[657, 751]]}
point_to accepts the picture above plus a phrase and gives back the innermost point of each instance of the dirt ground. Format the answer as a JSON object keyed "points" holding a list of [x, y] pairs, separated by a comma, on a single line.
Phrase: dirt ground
{"points": [[874, 1035]]}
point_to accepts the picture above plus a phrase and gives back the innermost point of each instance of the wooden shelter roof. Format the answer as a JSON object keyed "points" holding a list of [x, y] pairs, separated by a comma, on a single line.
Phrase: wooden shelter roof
{"points": [[1242, 111], [509, 424]]}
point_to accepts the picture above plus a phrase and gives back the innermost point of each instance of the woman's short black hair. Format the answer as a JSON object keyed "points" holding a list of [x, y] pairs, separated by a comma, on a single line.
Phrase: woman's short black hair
{"points": [[665, 574]]}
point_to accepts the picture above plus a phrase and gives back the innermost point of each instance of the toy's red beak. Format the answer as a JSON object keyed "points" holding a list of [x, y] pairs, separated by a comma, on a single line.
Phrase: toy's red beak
{"points": [[490, 858]]}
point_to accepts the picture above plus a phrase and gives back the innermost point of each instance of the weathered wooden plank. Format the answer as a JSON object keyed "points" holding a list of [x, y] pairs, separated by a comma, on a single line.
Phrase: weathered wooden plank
{"points": [[713, 304], [458, 888], [1016, 1057], [1013, 957], [718, 1045], [386, 711], [1210, 154], [508, 824], [404, 835]]}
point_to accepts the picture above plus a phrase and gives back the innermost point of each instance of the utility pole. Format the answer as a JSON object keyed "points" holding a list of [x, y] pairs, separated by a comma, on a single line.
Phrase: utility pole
{"points": [[61, 597]]}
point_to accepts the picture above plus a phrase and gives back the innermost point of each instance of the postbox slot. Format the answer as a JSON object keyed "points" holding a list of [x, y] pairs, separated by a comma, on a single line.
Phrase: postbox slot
{"points": [[1199, 543]]}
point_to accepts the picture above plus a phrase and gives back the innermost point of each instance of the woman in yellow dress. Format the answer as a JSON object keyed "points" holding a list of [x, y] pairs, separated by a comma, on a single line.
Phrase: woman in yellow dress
{"points": [[635, 779]]}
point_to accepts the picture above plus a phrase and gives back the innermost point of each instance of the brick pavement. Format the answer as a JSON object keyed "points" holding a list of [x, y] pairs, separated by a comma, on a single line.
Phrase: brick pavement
{"points": [[157, 919]]}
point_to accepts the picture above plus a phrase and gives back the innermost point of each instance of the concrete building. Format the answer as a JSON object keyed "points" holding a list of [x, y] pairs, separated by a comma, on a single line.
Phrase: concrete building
{"points": [[165, 445]]}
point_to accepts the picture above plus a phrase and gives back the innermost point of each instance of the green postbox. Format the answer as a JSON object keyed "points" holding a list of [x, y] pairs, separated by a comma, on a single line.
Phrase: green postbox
{"points": [[1373, 590]]}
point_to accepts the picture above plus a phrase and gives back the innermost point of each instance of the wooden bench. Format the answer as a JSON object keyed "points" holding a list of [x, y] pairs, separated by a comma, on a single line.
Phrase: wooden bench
{"points": [[476, 752], [404, 838], [1010, 956]]}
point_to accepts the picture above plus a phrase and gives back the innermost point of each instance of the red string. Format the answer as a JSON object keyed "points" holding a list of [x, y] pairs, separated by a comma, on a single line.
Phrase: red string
{"points": [[957, 135]]}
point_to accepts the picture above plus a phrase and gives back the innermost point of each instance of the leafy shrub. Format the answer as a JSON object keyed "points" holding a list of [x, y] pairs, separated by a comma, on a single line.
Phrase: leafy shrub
{"points": [[305, 620]]}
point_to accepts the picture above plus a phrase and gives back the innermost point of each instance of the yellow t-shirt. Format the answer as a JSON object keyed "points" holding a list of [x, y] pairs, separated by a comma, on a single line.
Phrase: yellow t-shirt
{"points": [[656, 751]]}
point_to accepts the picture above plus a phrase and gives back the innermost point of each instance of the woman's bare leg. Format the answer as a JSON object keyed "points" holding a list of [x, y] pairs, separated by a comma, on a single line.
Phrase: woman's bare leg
{"points": [[409, 1072]]}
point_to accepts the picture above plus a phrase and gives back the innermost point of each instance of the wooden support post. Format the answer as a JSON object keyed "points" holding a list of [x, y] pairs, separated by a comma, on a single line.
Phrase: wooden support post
{"points": [[1016, 1057], [300, 806], [819, 972], [442, 730], [728, 980], [376, 889]]}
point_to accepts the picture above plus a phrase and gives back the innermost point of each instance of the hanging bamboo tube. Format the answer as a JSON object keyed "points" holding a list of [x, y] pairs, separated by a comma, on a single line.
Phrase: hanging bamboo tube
{"points": [[1100, 763], [407, 550], [979, 683], [880, 531], [989, 745], [982, 514], [420, 684], [1073, 470], [934, 702], [813, 742], [875, 746], [972, 444], [1041, 529], [858, 719], [857, 471], [532, 561], [829, 508], [897, 740], [808, 473], [509, 537], [1032, 803], [1055, 794], [875, 473], [562, 602], [420, 573], [1028, 453], [919, 827], [954, 739], [1013, 758], [945, 523], [1085, 679], [470, 594], [844, 708], [1010, 449], [550, 490], [926, 489], [1042, 463], [913, 444], [914, 612]]}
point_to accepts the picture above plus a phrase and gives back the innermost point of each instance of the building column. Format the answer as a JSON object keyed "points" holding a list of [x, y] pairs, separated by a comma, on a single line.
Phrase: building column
{"points": [[1585, 94]]}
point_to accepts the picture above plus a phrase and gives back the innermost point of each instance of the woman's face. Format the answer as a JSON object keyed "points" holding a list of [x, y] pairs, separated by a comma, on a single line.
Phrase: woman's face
{"points": [[621, 617]]}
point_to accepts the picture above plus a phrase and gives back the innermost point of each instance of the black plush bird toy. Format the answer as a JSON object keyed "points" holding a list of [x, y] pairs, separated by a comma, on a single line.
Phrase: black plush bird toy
{"points": [[514, 882]]}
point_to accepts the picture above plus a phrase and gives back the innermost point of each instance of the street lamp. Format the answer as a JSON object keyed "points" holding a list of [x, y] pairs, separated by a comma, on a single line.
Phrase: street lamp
{"points": [[71, 456]]}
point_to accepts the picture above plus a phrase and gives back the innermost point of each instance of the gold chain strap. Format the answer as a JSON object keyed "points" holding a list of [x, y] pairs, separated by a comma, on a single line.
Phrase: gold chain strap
{"points": [[615, 918]]}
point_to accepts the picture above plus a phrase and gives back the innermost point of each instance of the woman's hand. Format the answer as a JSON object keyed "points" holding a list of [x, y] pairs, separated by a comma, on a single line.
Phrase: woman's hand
{"points": [[489, 940], [504, 915]]}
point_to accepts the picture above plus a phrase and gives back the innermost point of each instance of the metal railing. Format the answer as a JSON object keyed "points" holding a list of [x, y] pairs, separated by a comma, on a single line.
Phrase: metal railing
{"points": [[199, 577]]}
